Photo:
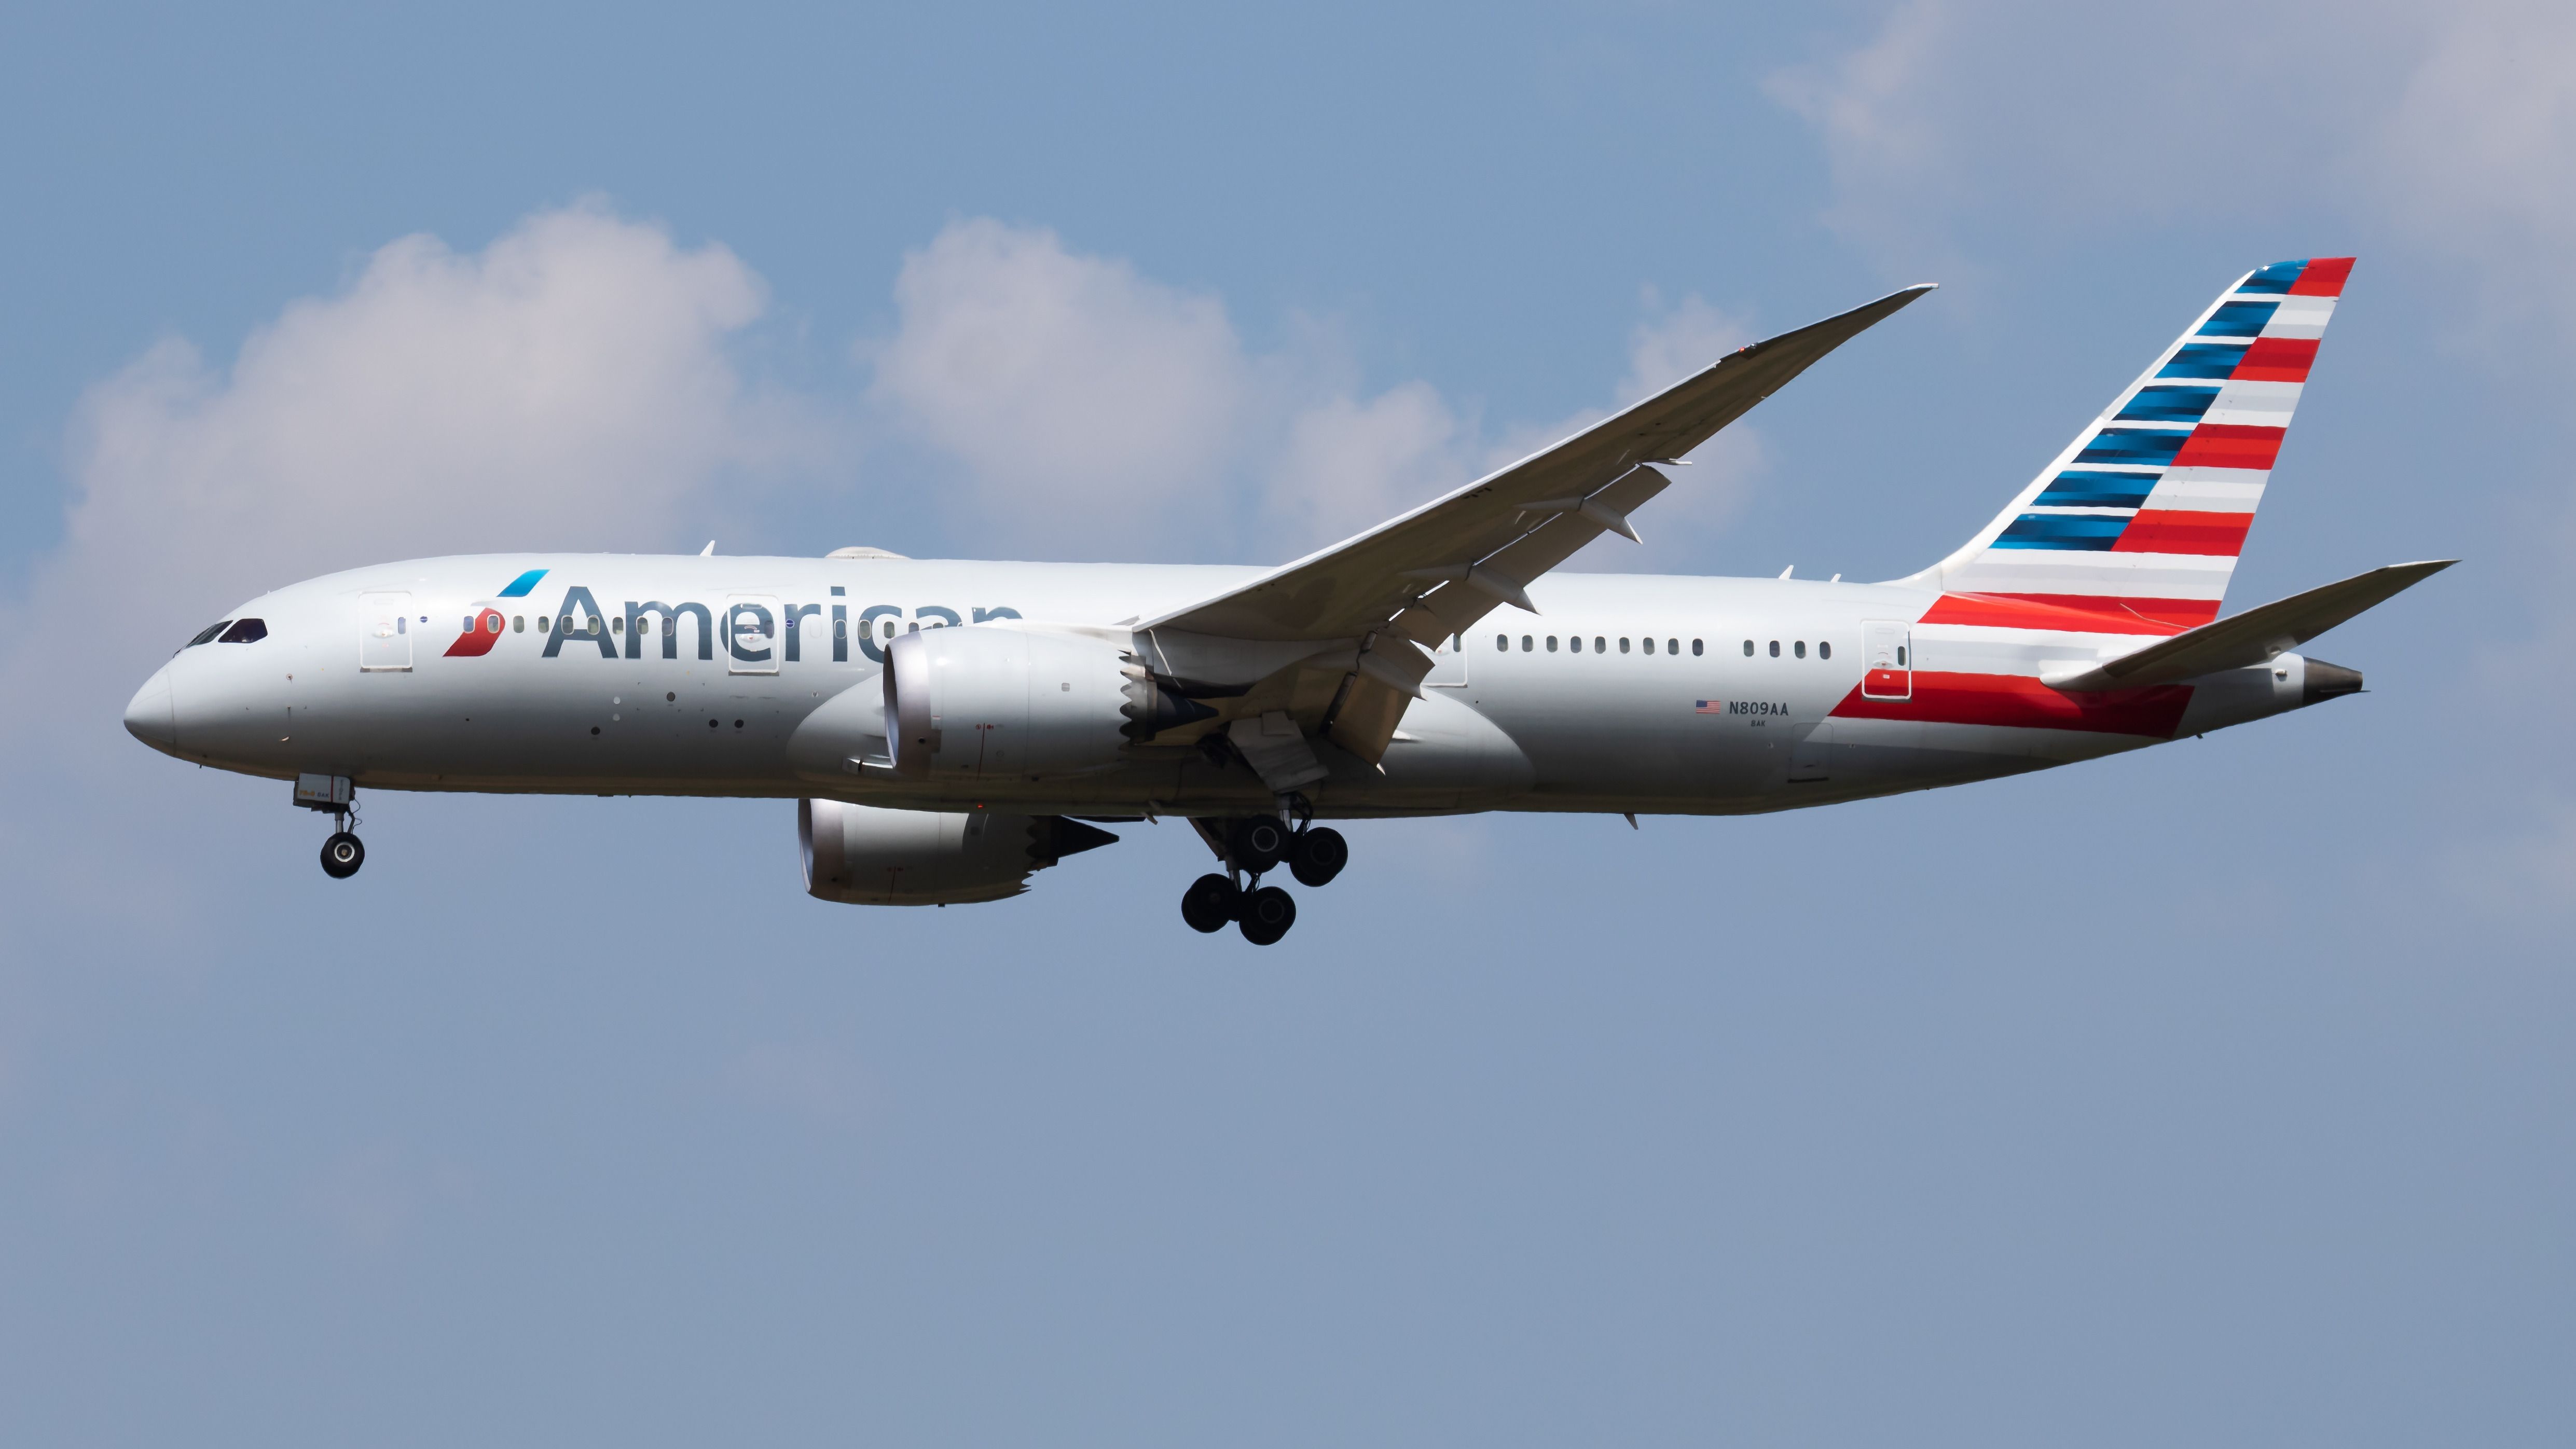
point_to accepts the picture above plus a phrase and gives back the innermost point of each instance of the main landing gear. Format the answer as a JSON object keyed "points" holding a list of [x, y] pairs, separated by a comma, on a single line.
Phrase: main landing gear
{"points": [[1251, 847]]}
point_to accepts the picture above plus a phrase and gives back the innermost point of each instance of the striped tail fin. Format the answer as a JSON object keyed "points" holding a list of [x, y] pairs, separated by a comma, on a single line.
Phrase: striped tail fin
{"points": [[2135, 528]]}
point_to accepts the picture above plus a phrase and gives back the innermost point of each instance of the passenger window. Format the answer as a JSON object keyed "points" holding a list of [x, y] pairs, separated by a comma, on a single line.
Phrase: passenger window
{"points": [[1775, 648], [1824, 650], [1672, 646], [1526, 646], [492, 625], [1900, 656], [245, 631], [1503, 642], [518, 623], [1575, 643], [1695, 648], [1799, 649], [1748, 648], [208, 634], [1623, 644], [617, 626], [1551, 643], [1650, 645], [1600, 645]]}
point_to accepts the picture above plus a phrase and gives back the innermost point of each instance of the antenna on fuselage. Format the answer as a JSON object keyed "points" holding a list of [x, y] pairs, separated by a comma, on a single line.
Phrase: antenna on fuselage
{"points": [[709, 551]]}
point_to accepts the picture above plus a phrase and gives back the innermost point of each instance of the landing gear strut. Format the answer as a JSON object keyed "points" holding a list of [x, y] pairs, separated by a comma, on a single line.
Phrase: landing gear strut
{"points": [[1251, 846]]}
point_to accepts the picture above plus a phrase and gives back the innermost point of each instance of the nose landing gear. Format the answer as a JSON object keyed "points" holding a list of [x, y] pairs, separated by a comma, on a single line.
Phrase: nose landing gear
{"points": [[342, 854], [1252, 846]]}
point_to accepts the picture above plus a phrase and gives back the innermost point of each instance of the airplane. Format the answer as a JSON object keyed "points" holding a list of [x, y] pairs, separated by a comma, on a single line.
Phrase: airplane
{"points": [[949, 728]]}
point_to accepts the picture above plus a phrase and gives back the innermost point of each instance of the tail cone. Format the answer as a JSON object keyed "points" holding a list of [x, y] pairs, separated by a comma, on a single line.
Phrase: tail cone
{"points": [[2326, 681]]}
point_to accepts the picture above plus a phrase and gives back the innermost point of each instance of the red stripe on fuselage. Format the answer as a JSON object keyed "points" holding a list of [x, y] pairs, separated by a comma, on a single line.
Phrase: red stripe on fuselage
{"points": [[2276, 359], [2229, 445], [2072, 613], [2183, 530], [2322, 277], [2020, 701]]}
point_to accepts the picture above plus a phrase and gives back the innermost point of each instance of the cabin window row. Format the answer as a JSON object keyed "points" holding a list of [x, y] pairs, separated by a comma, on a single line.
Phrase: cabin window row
{"points": [[1600, 644], [1531, 643], [1797, 648]]}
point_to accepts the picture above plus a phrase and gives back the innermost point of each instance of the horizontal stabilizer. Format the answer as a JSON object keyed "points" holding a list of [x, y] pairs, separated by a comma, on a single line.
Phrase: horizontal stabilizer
{"points": [[2254, 636]]}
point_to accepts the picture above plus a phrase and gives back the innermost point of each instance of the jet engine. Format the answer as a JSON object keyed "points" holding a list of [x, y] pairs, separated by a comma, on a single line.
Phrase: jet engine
{"points": [[1011, 701], [863, 855]]}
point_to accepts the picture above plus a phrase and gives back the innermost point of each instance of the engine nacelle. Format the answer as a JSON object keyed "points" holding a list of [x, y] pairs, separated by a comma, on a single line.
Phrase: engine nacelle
{"points": [[863, 855], [1000, 701]]}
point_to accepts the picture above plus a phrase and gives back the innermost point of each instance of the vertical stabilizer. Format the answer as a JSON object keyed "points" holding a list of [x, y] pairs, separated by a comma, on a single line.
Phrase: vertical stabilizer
{"points": [[2135, 528]]}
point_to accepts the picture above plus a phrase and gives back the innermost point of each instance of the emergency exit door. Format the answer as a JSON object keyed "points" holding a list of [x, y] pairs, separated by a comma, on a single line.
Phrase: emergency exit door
{"points": [[1887, 655], [384, 632]]}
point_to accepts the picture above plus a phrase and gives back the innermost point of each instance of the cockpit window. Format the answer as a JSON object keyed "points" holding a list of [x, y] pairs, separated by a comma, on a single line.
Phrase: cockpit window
{"points": [[245, 631], [207, 634]]}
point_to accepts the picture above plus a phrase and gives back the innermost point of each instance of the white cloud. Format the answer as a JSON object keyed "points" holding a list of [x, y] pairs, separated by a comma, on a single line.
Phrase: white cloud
{"points": [[1093, 412], [1349, 463], [1086, 402], [568, 387], [2475, 156], [1953, 127]]}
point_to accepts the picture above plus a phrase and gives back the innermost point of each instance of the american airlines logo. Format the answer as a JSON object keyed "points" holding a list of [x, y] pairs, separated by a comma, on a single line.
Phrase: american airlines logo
{"points": [[752, 631]]}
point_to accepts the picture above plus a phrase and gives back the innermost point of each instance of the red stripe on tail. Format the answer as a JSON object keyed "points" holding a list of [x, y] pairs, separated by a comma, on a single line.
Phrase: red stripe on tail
{"points": [[2322, 277], [2230, 445], [2276, 359], [2182, 530]]}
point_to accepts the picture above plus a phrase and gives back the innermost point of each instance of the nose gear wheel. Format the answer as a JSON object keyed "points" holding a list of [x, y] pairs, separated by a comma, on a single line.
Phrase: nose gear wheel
{"points": [[342, 854]]}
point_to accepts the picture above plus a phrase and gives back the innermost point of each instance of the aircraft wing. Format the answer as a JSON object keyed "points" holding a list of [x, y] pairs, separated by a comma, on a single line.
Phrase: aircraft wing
{"points": [[1443, 565], [1435, 571]]}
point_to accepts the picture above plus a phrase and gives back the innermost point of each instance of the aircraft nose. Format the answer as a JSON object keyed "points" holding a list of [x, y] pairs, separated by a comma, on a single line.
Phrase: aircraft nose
{"points": [[151, 716]]}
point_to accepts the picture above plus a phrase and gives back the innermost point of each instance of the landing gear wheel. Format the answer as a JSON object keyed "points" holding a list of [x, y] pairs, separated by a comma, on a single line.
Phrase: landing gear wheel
{"points": [[1257, 842], [1267, 915], [1210, 902], [342, 855], [1318, 855]]}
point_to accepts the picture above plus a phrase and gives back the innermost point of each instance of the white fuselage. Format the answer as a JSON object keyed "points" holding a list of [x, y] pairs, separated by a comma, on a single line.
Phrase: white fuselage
{"points": [[1632, 693]]}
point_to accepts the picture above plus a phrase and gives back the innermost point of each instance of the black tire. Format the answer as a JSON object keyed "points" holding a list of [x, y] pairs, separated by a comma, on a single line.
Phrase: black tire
{"points": [[1257, 842], [1319, 855], [1210, 902], [342, 854], [1267, 915]]}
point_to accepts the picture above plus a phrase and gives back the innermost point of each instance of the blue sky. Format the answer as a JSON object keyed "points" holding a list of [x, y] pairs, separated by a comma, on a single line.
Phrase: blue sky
{"points": [[2216, 1093]]}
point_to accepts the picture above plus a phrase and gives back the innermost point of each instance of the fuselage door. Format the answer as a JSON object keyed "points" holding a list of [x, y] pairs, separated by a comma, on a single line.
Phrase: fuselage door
{"points": [[384, 632], [1886, 652], [1448, 664], [751, 633]]}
